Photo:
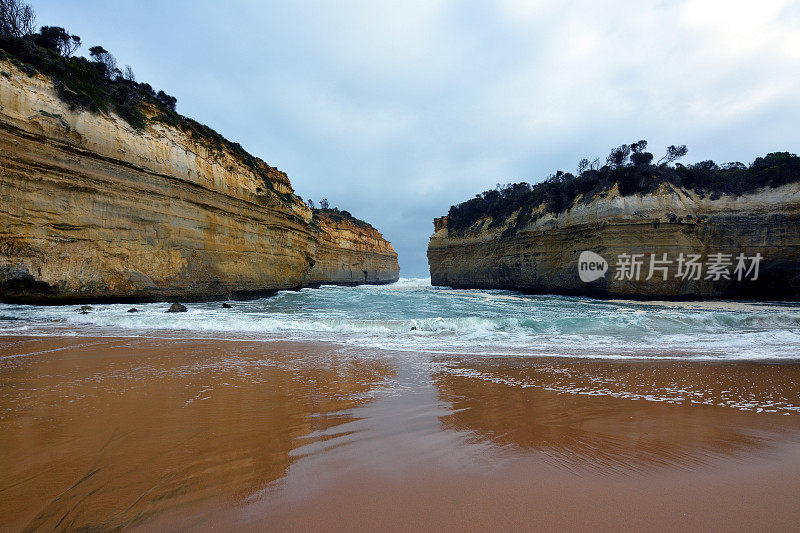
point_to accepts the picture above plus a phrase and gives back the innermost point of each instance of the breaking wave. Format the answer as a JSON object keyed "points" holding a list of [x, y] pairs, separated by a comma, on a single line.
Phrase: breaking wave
{"points": [[411, 315]]}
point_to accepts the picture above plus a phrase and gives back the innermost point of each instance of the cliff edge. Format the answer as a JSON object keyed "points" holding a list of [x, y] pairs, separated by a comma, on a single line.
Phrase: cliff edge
{"points": [[351, 251], [670, 243], [93, 208]]}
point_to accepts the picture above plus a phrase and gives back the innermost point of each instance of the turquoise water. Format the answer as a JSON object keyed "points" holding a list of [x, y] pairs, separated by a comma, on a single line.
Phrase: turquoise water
{"points": [[413, 316]]}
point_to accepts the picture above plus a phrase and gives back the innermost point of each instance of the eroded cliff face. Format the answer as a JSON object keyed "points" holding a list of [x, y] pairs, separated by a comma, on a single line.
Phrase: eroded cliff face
{"points": [[93, 209], [349, 253], [543, 257]]}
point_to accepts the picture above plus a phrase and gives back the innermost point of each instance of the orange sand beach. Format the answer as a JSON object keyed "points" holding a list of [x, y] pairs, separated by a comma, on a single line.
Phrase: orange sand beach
{"points": [[176, 434]]}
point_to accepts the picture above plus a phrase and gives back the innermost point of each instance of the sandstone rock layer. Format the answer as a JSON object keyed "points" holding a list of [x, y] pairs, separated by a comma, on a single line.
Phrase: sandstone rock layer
{"points": [[93, 209], [350, 253], [543, 256]]}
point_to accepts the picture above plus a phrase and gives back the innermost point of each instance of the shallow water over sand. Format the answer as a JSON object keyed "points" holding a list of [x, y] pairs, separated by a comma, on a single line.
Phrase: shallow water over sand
{"points": [[105, 432]]}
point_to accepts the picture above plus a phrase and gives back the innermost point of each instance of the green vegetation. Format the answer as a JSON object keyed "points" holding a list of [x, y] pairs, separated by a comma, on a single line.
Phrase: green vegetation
{"points": [[335, 214], [628, 167], [96, 84]]}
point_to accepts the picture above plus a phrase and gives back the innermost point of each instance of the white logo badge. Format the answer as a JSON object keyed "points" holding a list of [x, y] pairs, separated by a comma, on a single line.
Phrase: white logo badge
{"points": [[591, 266]]}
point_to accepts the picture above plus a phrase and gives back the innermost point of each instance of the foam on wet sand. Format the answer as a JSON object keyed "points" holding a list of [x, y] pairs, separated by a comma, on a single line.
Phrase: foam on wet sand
{"points": [[155, 433]]}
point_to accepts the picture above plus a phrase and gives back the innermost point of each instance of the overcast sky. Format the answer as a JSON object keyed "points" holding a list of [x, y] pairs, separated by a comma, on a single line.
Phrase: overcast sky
{"points": [[396, 110]]}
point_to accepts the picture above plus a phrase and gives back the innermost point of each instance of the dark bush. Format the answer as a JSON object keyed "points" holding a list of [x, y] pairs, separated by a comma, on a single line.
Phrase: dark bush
{"points": [[336, 215], [97, 85], [562, 190], [641, 158], [57, 39], [167, 100]]}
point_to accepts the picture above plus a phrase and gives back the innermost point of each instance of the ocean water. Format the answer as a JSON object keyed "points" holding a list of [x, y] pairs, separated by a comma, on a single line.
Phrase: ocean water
{"points": [[411, 315]]}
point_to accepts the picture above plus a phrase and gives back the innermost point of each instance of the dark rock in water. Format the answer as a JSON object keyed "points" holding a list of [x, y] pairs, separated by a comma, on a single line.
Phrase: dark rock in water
{"points": [[85, 309], [177, 308], [84, 312], [133, 310], [226, 305], [413, 328]]}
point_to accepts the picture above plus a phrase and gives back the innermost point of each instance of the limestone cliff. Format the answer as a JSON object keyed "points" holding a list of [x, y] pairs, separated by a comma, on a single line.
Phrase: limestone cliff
{"points": [[350, 252], [93, 209], [543, 255]]}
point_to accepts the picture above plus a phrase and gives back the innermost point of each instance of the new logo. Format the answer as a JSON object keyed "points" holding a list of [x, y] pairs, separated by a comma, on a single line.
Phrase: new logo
{"points": [[591, 266]]}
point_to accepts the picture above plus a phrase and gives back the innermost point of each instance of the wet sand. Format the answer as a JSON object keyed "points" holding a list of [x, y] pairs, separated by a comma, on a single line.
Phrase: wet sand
{"points": [[172, 434]]}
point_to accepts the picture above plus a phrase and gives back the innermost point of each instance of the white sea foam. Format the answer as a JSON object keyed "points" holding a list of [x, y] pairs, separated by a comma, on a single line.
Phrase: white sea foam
{"points": [[411, 282], [411, 315]]}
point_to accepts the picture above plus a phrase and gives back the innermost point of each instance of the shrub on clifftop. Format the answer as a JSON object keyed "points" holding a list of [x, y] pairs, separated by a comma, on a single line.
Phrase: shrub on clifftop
{"points": [[336, 215], [628, 167], [96, 84]]}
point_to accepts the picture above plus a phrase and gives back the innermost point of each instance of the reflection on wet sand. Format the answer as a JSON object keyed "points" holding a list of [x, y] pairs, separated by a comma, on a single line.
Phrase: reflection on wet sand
{"points": [[479, 443], [105, 433], [620, 416]]}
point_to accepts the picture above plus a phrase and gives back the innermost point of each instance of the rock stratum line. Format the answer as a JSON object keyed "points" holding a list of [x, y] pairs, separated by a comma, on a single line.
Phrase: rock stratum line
{"points": [[95, 209], [542, 256]]}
